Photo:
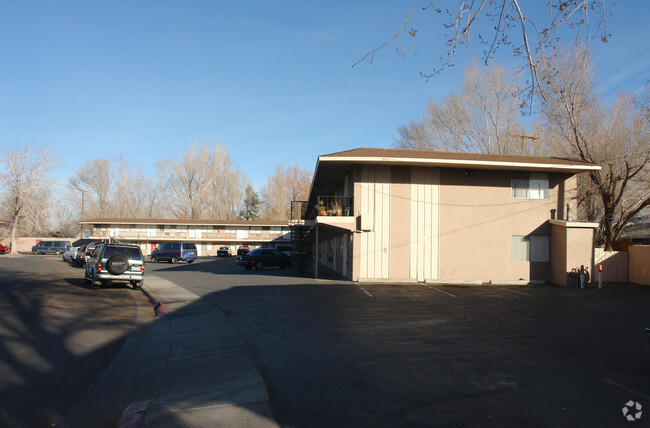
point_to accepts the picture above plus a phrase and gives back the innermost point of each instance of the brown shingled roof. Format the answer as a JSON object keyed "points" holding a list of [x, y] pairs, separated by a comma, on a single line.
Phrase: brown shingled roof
{"points": [[369, 152]]}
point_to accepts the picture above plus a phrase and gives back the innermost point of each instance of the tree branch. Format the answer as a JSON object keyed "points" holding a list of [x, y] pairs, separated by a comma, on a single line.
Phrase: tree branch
{"points": [[395, 36]]}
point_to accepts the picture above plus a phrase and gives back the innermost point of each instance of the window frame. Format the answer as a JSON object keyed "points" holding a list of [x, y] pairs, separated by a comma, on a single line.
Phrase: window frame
{"points": [[530, 185], [537, 248]]}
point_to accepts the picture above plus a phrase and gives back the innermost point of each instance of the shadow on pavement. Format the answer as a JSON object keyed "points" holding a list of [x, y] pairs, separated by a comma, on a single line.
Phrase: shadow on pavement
{"points": [[324, 354]]}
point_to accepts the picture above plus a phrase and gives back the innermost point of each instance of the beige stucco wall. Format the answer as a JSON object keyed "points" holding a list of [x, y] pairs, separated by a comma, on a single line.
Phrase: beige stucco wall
{"points": [[572, 246], [558, 255], [580, 244], [448, 225], [478, 217]]}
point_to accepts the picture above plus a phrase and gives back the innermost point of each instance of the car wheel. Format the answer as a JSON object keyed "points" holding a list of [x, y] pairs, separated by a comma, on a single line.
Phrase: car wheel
{"points": [[173, 260], [57, 252], [136, 285], [95, 284], [117, 264], [259, 265], [154, 259], [190, 261]]}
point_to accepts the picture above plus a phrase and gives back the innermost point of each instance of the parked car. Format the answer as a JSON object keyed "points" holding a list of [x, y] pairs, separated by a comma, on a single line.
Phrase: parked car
{"points": [[115, 263], [174, 252], [3, 249], [263, 257], [88, 251], [79, 258], [223, 251], [243, 250], [283, 248], [51, 247], [71, 254]]}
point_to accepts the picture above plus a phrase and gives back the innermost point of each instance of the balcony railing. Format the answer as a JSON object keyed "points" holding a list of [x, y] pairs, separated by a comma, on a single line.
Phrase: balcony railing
{"points": [[334, 206]]}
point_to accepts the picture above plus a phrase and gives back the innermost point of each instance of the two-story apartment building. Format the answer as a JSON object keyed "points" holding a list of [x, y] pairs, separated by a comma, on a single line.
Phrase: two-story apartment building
{"points": [[209, 235], [447, 217]]}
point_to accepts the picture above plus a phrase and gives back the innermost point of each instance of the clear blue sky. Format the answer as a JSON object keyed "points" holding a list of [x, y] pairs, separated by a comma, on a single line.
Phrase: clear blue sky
{"points": [[273, 81]]}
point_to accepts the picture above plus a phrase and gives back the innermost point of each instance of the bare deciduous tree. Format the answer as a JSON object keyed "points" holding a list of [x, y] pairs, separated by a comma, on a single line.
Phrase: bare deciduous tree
{"points": [[483, 118], [95, 179], [202, 184], [535, 31], [134, 195], [26, 179], [614, 137], [286, 185], [227, 186], [64, 214]]}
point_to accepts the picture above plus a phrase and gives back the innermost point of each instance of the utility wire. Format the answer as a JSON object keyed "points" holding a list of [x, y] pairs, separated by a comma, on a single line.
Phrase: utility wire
{"points": [[627, 81], [626, 64]]}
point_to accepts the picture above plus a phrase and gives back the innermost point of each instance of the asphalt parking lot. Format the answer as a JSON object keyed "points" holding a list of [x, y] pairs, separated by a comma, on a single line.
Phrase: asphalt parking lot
{"points": [[336, 353]]}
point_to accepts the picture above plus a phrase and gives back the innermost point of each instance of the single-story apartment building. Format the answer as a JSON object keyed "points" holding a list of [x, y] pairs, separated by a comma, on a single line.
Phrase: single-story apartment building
{"points": [[208, 235], [424, 216]]}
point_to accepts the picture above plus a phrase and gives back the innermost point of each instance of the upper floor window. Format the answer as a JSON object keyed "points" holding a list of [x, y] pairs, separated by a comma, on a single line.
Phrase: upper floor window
{"points": [[530, 185]]}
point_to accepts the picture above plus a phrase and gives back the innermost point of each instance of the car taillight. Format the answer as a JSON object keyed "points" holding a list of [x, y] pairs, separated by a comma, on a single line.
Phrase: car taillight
{"points": [[99, 267], [142, 268]]}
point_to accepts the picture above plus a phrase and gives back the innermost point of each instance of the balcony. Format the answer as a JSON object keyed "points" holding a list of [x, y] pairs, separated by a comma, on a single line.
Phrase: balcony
{"points": [[335, 211], [334, 206]]}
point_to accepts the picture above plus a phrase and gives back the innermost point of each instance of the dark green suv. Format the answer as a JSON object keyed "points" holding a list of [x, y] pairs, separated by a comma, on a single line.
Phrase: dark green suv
{"points": [[115, 263]]}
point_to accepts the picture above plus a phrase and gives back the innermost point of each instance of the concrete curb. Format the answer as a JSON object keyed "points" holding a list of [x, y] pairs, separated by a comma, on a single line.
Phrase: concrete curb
{"points": [[160, 309], [133, 415]]}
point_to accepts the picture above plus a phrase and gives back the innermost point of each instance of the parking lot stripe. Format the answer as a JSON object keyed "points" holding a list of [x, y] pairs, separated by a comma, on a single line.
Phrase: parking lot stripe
{"points": [[364, 290], [438, 290], [513, 291], [625, 388]]}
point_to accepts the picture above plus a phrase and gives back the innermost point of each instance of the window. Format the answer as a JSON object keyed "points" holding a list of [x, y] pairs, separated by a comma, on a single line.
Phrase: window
{"points": [[533, 185], [276, 230], [530, 248], [256, 230], [231, 229]]}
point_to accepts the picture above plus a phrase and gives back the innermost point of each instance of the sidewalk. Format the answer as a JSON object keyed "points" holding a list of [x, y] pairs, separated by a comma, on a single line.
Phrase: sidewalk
{"points": [[187, 368]]}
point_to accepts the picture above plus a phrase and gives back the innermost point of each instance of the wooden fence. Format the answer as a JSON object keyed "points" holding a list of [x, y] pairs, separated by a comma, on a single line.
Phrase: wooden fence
{"points": [[615, 265], [639, 264]]}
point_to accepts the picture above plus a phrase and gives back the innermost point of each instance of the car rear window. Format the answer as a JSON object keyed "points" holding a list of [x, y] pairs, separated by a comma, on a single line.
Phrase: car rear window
{"points": [[189, 246], [130, 252]]}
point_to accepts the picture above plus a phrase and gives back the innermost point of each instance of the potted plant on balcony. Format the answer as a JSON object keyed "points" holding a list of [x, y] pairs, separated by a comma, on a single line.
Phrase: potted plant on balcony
{"points": [[336, 209], [346, 211], [321, 208]]}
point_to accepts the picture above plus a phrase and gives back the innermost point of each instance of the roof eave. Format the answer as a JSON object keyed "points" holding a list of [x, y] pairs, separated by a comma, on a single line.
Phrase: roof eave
{"points": [[460, 163]]}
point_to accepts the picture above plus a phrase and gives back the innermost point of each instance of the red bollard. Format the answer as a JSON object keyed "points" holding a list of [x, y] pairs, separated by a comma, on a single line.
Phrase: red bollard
{"points": [[600, 276]]}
